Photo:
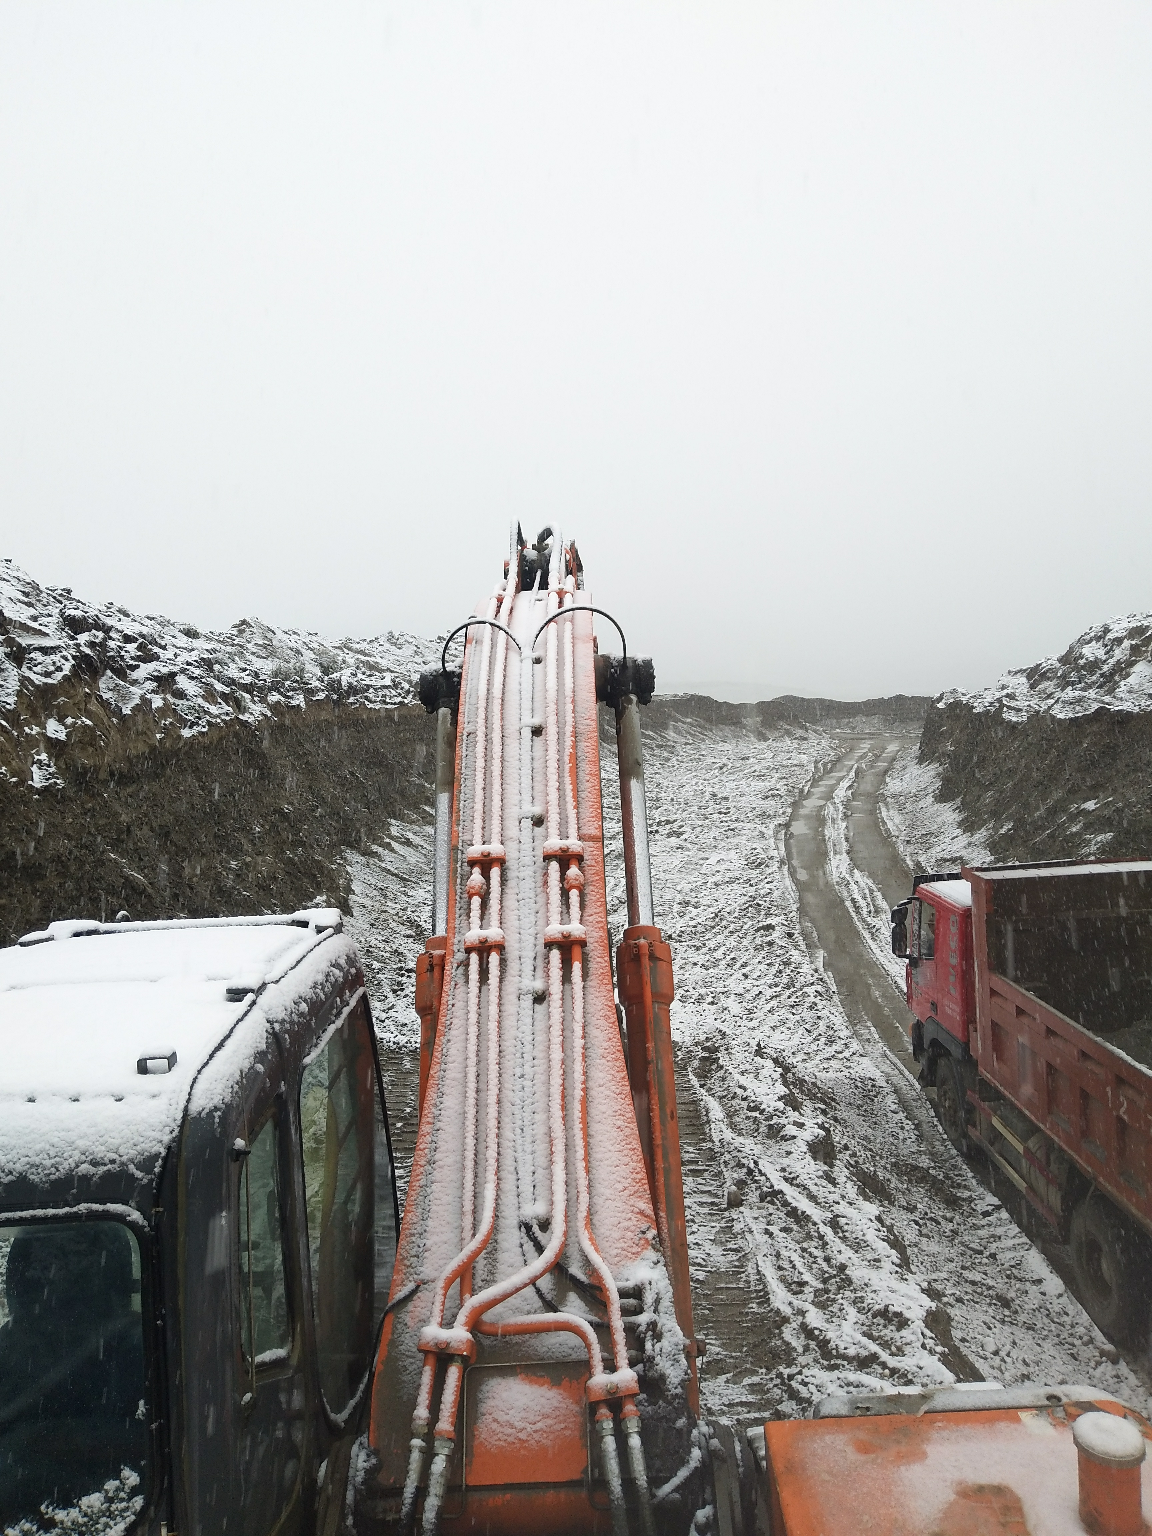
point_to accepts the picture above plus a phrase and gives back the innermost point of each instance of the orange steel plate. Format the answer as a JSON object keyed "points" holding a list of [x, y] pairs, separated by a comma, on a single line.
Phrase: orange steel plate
{"points": [[995, 1472], [524, 1426]]}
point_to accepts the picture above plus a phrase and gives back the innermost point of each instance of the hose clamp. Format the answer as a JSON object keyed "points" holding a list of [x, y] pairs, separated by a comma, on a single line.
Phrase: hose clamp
{"points": [[484, 939], [438, 1342], [612, 1386], [563, 848], [565, 933]]}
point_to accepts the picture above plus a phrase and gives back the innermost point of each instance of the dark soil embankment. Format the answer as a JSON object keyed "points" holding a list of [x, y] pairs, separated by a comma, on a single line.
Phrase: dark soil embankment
{"points": [[901, 710], [243, 819], [1047, 788], [1054, 761], [148, 767]]}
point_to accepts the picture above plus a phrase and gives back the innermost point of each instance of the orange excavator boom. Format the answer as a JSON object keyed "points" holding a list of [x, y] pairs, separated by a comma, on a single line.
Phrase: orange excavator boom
{"points": [[536, 1367]]}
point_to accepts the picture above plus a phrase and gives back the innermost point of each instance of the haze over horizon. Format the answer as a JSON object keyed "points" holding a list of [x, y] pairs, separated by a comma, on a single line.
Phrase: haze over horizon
{"points": [[825, 331]]}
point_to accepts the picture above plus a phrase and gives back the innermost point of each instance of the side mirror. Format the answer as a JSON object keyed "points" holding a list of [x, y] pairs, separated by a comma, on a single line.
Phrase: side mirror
{"points": [[905, 943], [900, 932]]}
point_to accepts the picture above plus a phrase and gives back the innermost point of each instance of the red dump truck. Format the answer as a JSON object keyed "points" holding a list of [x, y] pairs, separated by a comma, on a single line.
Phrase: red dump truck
{"points": [[1030, 988]]}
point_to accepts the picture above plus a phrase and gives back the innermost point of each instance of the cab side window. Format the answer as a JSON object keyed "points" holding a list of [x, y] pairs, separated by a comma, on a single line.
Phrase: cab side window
{"points": [[927, 931], [349, 1202], [265, 1326]]}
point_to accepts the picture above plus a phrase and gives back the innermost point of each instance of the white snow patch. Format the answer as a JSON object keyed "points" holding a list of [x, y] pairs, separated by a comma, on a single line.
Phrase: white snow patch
{"points": [[958, 892], [44, 775], [925, 829], [1108, 667], [107, 1512], [77, 1013]]}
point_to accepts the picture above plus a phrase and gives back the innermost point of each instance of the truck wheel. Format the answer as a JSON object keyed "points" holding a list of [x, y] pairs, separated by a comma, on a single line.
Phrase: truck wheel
{"points": [[952, 1104], [1108, 1259]]}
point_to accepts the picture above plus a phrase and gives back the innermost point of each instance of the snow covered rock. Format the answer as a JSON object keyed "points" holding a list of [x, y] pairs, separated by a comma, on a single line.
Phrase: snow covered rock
{"points": [[71, 672], [1054, 760], [1109, 667], [150, 767]]}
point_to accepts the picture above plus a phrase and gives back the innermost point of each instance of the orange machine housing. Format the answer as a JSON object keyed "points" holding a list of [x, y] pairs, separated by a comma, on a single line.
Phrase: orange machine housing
{"points": [[990, 1472]]}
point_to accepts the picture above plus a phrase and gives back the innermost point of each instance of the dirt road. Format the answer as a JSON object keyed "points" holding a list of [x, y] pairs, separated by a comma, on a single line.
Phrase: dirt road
{"points": [[844, 909], [863, 984], [855, 1249]]}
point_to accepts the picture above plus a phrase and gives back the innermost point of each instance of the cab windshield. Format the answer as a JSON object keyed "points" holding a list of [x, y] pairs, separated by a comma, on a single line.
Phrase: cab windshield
{"points": [[73, 1422]]}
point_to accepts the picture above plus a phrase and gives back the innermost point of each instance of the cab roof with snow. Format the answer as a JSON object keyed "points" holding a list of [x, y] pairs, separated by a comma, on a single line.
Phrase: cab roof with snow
{"points": [[110, 1034]]}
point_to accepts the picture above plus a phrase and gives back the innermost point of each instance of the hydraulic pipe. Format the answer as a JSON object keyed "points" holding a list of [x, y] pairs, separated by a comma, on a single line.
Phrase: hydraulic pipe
{"points": [[633, 813], [626, 1385], [472, 1244], [442, 848]]}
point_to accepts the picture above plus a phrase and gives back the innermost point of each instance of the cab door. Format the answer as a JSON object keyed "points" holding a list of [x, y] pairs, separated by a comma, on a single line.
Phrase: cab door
{"points": [[351, 1217], [923, 988], [271, 1414]]}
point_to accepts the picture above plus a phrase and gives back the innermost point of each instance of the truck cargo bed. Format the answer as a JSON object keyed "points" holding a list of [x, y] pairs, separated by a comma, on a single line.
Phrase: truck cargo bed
{"points": [[1063, 958]]}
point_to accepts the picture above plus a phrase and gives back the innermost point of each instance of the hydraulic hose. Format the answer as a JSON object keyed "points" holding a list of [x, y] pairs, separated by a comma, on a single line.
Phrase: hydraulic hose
{"points": [[473, 1243], [563, 935]]}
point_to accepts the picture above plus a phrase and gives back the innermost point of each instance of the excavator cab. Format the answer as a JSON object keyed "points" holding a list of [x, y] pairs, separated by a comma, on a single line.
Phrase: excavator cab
{"points": [[198, 1224]]}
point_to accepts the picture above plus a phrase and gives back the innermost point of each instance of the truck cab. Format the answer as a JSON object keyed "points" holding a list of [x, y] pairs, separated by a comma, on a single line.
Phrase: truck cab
{"points": [[932, 932], [198, 1224]]}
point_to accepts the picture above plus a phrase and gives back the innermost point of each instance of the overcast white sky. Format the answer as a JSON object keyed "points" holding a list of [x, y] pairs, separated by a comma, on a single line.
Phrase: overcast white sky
{"points": [[826, 329]]}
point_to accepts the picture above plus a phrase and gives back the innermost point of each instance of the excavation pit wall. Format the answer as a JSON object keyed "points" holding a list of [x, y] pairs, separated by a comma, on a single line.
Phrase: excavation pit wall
{"points": [[237, 819]]}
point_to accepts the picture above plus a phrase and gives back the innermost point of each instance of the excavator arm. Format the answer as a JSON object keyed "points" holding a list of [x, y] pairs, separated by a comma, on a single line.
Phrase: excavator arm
{"points": [[536, 1367]]}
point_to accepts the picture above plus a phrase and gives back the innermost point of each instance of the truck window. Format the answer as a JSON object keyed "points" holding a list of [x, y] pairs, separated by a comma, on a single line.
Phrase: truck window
{"points": [[927, 949], [265, 1329], [349, 1201], [73, 1420]]}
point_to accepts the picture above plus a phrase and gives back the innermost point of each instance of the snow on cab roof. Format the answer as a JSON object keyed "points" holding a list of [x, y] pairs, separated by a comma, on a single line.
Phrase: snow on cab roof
{"points": [[104, 1027], [958, 892]]}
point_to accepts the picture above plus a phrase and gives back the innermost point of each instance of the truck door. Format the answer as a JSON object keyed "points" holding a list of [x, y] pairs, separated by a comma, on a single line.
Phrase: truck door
{"points": [[271, 1418], [922, 957]]}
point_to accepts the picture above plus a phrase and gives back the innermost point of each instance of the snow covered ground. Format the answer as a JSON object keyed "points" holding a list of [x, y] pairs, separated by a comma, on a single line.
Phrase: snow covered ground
{"points": [[879, 1256], [391, 907], [862, 1251], [926, 830]]}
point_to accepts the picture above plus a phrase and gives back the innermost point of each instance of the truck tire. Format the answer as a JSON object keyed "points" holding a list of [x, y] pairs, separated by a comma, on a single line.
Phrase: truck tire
{"points": [[952, 1104], [1109, 1259]]}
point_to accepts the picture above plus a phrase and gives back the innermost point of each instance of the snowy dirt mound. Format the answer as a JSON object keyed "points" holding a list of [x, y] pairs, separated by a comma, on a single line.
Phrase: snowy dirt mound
{"points": [[70, 672], [1054, 761], [149, 768], [927, 831], [1108, 667], [832, 1248]]}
